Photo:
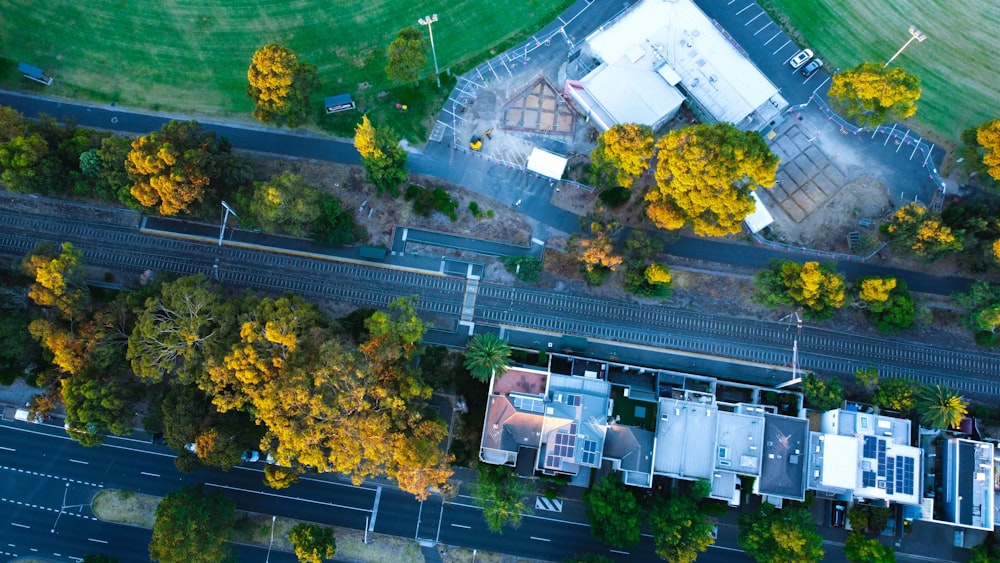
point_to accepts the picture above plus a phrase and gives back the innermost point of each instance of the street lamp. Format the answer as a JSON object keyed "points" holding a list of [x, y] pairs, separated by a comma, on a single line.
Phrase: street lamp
{"points": [[914, 34], [225, 219], [428, 21], [272, 540]]}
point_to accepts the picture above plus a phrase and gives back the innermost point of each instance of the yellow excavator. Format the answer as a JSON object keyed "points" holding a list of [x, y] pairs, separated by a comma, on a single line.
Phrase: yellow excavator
{"points": [[476, 142]]}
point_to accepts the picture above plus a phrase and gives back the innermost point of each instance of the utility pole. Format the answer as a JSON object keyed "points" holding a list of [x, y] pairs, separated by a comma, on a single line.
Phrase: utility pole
{"points": [[226, 210], [796, 378], [429, 22], [914, 34]]}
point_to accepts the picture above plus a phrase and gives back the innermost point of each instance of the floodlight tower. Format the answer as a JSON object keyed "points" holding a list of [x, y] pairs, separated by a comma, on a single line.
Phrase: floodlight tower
{"points": [[429, 22], [914, 34]]}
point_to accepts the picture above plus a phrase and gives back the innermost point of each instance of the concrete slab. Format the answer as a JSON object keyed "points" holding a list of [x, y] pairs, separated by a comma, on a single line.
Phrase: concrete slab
{"points": [[813, 191], [793, 210], [795, 173], [808, 167], [778, 192], [813, 152], [824, 184], [835, 175], [804, 201]]}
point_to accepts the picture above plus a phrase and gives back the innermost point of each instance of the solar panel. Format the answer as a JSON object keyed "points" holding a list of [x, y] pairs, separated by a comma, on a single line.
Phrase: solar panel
{"points": [[881, 458], [908, 475], [890, 474], [589, 446], [570, 440], [870, 448], [574, 400], [868, 479], [590, 458], [572, 429], [552, 461]]}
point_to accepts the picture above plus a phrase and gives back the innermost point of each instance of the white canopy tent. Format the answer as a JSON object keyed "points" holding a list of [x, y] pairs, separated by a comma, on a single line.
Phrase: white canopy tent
{"points": [[547, 164]]}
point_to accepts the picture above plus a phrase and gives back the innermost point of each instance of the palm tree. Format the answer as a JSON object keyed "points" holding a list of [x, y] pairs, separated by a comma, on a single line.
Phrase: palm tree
{"points": [[942, 408], [486, 355]]}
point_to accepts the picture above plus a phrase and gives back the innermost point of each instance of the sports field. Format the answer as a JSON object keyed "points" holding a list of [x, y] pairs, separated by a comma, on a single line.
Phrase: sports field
{"points": [[957, 63], [191, 56]]}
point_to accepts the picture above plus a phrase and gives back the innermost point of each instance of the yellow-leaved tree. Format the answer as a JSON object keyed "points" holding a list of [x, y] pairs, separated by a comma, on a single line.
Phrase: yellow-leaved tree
{"points": [[816, 288], [873, 95], [280, 85], [876, 289], [914, 229], [704, 176], [622, 155], [657, 274], [988, 137], [58, 278], [173, 167]]}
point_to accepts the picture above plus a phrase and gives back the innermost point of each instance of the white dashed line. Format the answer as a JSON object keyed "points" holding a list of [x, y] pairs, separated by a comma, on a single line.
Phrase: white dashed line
{"points": [[783, 45], [753, 18], [745, 9], [767, 25], [772, 38], [540, 539], [19, 525]]}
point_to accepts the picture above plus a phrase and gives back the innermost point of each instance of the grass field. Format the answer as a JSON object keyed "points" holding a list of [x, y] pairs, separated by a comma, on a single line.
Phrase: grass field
{"points": [[191, 57], [957, 64]]}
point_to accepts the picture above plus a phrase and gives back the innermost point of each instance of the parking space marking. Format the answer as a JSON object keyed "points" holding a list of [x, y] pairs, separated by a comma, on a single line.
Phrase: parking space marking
{"points": [[772, 37], [783, 45], [745, 9], [766, 25], [753, 18]]}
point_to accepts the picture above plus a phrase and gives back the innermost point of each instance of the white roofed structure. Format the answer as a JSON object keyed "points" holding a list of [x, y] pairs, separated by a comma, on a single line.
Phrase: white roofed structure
{"points": [[547, 164], [760, 218]]}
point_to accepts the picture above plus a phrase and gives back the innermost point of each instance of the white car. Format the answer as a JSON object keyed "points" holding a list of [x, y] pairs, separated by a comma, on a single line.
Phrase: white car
{"points": [[800, 58]]}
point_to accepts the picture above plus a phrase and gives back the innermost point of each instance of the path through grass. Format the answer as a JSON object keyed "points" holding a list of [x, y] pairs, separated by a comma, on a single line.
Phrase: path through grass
{"points": [[957, 64]]}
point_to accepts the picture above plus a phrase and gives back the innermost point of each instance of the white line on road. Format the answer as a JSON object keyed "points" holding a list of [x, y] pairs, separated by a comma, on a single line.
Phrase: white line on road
{"points": [[96, 540], [532, 516], [776, 34], [745, 9], [19, 525], [299, 499], [751, 20], [783, 45], [149, 474], [618, 551], [8, 449], [463, 526], [540, 539], [766, 25], [80, 462]]}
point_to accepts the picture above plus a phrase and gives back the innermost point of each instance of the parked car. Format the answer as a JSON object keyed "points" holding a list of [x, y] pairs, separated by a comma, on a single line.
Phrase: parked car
{"points": [[838, 514], [191, 447], [812, 67], [250, 456], [800, 58], [24, 415]]}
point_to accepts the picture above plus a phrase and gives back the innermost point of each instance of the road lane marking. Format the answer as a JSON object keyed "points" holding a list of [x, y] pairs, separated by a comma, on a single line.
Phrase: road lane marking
{"points": [[776, 34], [540, 539], [150, 474], [766, 25], [96, 540], [783, 45], [755, 17], [8, 449], [745, 9], [463, 526], [80, 462], [299, 499], [619, 551], [19, 525]]}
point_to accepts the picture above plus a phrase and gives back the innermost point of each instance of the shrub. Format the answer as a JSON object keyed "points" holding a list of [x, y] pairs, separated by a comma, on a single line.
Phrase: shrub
{"points": [[616, 196], [526, 268]]}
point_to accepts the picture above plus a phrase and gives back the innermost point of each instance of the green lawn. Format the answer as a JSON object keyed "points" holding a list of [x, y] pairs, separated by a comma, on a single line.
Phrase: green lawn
{"points": [[957, 64], [624, 407], [191, 57]]}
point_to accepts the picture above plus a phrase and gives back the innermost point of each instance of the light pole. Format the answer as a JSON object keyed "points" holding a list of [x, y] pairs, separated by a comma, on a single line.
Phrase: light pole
{"points": [[429, 21], [225, 219], [272, 540], [914, 34]]}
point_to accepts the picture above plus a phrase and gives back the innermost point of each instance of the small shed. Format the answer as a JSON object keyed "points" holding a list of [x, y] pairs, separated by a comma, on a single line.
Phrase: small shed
{"points": [[32, 72], [547, 164], [338, 103], [760, 217]]}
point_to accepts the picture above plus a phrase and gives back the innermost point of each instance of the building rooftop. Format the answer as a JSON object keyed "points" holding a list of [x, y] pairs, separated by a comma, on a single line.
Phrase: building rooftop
{"points": [[865, 466], [853, 423], [739, 441], [631, 450], [969, 477], [677, 42], [784, 457], [685, 446]]}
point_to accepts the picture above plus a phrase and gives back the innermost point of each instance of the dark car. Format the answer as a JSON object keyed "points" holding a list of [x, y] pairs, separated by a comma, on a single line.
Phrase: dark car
{"points": [[838, 514], [811, 68]]}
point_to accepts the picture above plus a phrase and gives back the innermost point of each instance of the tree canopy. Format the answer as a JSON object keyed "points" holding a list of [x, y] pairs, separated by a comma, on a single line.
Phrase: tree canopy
{"points": [[704, 176], [500, 493], [941, 408], [861, 549], [896, 394], [822, 393], [58, 278], [313, 543], [913, 228], [407, 56], [280, 85], [622, 155], [613, 512], [874, 95], [193, 526], [173, 167], [486, 355], [680, 529], [382, 157], [285, 203], [815, 287], [770, 535], [886, 302]]}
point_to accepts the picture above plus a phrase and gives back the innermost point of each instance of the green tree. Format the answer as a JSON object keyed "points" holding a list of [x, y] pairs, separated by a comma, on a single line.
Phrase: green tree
{"points": [[916, 230], [941, 408], [980, 301], [874, 95], [313, 543], [896, 394], [407, 56], [822, 393], [864, 550], [178, 329], [172, 168], [613, 512], [622, 155], [280, 86], [58, 278], [988, 551], [867, 377], [680, 530], [335, 225], [500, 493], [193, 526], [704, 176], [14, 335], [96, 405], [114, 176], [20, 161], [815, 287], [382, 157], [285, 203], [190, 417], [770, 535], [486, 355]]}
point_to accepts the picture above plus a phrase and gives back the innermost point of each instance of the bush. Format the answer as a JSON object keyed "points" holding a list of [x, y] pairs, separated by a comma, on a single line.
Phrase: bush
{"points": [[426, 201], [616, 196], [526, 268]]}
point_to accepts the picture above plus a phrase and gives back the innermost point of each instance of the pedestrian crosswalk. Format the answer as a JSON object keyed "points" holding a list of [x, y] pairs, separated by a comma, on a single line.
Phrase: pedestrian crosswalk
{"points": [[553, 505]]}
